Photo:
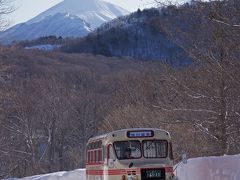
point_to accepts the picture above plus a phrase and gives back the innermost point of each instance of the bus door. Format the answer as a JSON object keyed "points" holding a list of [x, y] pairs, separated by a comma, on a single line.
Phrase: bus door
{"points": [[111, 157]]}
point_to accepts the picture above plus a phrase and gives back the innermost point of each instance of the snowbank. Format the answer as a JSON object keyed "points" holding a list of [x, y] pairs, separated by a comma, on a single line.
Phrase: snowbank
{"points": [[78, 174], [210, 168]]}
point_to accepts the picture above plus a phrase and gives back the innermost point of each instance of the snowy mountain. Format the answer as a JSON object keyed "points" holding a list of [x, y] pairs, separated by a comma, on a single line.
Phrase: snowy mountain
{"points": [[95, 12], [64, 25], [70, 18]]}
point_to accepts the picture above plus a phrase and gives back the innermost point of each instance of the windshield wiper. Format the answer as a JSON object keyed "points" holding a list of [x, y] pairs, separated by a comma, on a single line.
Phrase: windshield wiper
{"points": [[149, 145]]}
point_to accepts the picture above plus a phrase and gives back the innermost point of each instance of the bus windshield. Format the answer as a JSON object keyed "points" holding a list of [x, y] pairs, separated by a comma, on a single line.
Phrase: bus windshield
{"points": [[128, 149], [132, 149], [155, 148]]}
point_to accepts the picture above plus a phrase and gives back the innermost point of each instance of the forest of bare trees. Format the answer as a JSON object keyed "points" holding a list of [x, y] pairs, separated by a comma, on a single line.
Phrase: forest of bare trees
{"points": [[216, 46], [52, 103], [213, 42]]}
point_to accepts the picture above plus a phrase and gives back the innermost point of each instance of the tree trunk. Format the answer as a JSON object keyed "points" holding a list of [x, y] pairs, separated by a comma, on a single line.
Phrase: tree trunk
{"points": [[51, 154]]}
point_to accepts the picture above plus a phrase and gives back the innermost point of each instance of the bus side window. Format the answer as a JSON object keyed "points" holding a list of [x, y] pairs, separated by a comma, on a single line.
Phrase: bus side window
{"points": [[99, 155], [170, 151], [111, 154], [92, 156], [103, 152], [88, 156], [95, 156]]}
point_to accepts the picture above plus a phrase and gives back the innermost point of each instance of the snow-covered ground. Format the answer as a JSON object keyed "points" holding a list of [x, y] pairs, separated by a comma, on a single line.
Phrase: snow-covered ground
{"points": [[44, 47], [210, 168], [203, 168], [78, 174]]}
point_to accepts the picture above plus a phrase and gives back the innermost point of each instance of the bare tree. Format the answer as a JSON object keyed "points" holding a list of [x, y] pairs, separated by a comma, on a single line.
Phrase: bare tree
{"points": [[207, 96], [6, 7]]}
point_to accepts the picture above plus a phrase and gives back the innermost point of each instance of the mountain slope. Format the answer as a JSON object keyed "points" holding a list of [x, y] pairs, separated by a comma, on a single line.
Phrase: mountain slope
{"points": [[134, 36], [70, 18], [52, 25]]}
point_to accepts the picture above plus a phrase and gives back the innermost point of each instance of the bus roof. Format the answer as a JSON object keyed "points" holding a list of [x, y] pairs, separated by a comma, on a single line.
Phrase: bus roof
{"points": [[125, 130]]}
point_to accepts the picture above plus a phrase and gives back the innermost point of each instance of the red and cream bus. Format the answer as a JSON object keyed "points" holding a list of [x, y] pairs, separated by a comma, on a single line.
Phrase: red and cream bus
{"points": [[130, 154]]}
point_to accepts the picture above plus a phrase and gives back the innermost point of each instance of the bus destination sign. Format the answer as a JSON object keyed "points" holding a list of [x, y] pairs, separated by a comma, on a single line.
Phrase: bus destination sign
{"points": [[139, 134]]}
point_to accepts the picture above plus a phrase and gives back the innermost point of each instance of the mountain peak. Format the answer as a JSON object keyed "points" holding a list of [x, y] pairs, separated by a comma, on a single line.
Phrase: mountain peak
{"points": [[95, 12]]}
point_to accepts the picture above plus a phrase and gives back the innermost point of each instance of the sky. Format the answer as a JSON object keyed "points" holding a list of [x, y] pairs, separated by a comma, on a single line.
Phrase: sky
{"points": [[27, 9]]}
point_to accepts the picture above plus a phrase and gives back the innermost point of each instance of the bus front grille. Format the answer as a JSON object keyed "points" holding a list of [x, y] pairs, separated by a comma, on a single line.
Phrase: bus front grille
{"points": [[153, 174]]}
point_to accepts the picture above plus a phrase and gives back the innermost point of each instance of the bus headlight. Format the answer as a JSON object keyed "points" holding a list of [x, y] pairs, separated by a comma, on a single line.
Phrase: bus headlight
{"points": [[136, 178], [124, 177], [130, 178]]}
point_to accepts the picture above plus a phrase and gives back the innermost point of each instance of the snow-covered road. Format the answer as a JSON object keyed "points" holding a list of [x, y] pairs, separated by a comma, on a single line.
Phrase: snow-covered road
{"points": [[203, 168], [78, 174]]}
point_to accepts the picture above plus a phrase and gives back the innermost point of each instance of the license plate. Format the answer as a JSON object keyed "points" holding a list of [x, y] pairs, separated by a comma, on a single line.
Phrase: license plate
{"points": [[153, 173]]}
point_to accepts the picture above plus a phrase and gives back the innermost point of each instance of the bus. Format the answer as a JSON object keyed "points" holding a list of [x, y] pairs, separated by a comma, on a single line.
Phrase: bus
{"points": [[130, 154]]}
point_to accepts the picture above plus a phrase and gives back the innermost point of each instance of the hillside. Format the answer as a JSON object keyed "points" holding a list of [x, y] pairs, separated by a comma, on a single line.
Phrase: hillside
{"points": [[52, 102], [170, 34], [135, 36]]}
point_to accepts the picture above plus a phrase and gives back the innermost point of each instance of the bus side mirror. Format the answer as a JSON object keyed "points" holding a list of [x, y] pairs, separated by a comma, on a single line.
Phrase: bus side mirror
{"points": [[184, 158], [110, 163], [130, 165]]}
